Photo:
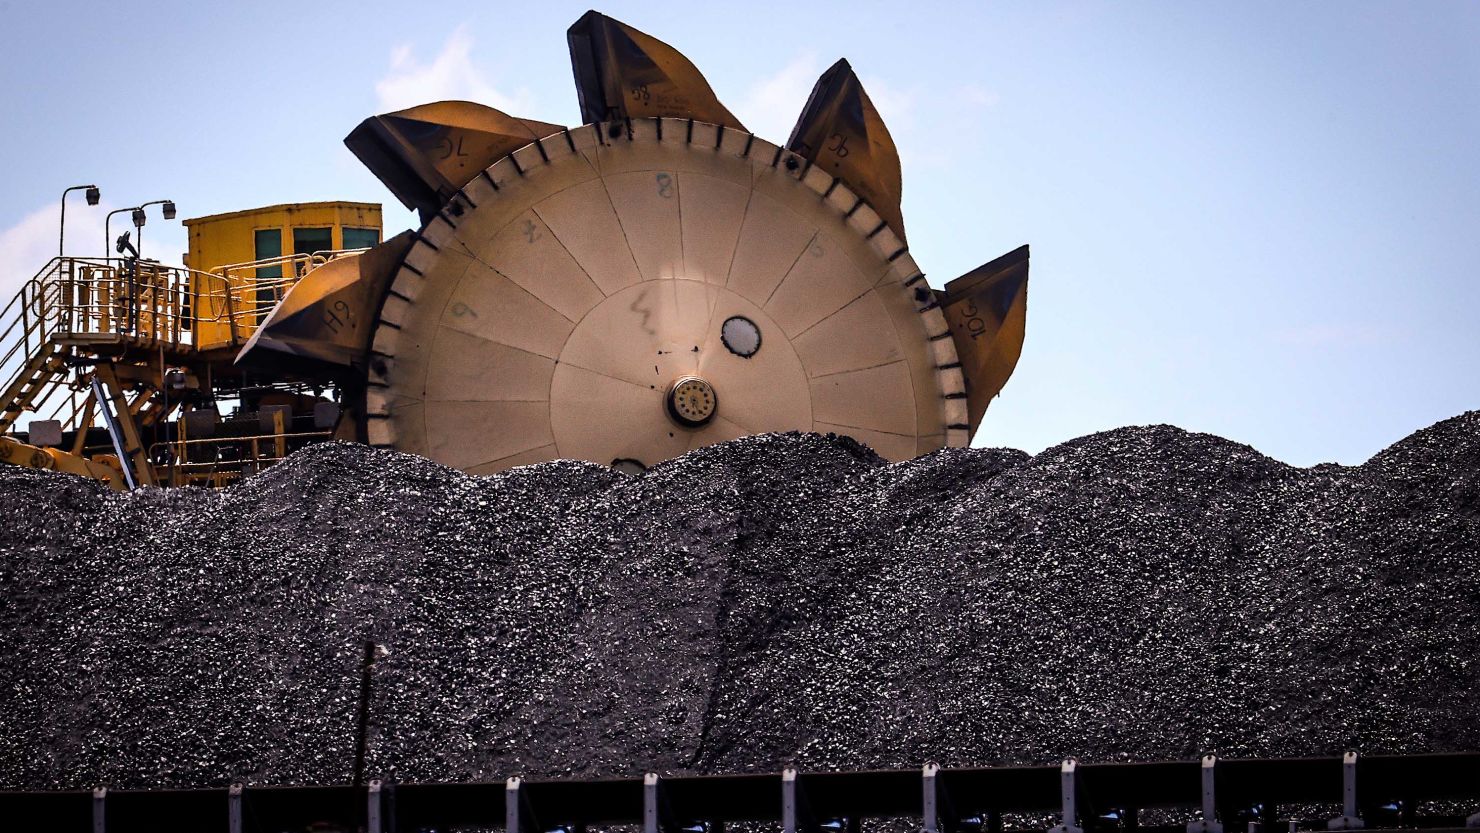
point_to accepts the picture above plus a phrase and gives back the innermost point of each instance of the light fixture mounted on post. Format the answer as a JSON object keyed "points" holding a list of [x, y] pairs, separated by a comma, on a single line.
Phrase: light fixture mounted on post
{"points": [[166, 206], [107, 221], [93, 197]]}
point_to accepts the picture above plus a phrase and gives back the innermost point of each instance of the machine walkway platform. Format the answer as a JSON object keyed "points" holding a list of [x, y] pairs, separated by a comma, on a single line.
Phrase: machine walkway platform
{"points": [[121, 345]]}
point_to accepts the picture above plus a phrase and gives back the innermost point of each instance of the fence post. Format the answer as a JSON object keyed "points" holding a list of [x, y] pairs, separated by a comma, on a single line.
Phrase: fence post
{"points": [[100, 810], [511, 805], [930, 816], [1209, 822], [372, 806], [650, 803], [1067, 785], [234, 808], [789, 800], [1348, 820]]}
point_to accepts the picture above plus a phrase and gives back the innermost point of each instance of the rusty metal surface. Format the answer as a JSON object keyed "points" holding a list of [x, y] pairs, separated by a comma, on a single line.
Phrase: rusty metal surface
{"points": [[327, 317], [987, 310], [426, 153], [623, 73], [842, 132]]}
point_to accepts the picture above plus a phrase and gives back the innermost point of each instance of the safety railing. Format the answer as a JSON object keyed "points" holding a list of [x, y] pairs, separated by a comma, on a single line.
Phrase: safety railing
{"points": [[1424, 792], [23, 327], [75, 303], [78, 297], [244, 293], [147, 301], [28, 359], [134, 299]]}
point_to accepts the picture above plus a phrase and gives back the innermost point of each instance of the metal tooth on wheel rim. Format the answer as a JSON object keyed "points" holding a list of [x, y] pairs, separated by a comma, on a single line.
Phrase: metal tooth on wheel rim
{"points": [[555, 317]]}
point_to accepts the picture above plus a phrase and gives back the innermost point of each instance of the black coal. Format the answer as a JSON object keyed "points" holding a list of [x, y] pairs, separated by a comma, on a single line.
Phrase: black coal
{"points": [[1141, 593]]}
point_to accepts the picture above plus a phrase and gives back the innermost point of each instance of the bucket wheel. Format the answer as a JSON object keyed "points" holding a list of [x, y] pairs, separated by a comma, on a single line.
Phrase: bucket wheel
{"points": [[654, 281], [629, 292]]}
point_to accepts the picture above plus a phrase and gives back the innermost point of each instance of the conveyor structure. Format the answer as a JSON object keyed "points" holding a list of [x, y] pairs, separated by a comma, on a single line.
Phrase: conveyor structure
{"points": [[1379, 792]]}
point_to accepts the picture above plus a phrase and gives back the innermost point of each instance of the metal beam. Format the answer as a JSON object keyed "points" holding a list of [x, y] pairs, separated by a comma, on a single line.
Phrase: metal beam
{"points": [[121, 424]]}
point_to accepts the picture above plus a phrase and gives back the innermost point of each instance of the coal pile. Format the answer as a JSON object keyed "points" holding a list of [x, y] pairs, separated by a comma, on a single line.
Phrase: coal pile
{"points": [[1141, 593]]}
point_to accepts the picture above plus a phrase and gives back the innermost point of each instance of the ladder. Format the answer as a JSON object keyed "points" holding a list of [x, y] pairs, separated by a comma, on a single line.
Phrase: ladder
{"points": [[42, 369]]}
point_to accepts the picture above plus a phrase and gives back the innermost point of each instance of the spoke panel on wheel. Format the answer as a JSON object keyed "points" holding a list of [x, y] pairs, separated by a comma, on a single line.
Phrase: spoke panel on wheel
{"points": [[671, 296]]}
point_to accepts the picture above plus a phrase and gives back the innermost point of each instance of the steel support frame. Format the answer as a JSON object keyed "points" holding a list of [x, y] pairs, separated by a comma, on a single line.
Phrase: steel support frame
{"points": [[114, 405]]}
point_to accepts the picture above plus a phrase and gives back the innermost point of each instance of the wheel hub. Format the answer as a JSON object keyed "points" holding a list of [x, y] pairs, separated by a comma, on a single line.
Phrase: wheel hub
{"points": [[692, 401]]}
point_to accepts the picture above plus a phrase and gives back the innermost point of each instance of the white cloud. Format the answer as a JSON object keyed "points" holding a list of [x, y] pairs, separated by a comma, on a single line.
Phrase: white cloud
{"points": [[451, 75], [919, 116], [28, 246], [897, 108], [771, 105]]}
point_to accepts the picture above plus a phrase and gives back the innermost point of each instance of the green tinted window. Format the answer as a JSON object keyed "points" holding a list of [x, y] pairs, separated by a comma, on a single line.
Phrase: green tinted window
{"points": [[268, 242], [306, 241], [361, 238]]}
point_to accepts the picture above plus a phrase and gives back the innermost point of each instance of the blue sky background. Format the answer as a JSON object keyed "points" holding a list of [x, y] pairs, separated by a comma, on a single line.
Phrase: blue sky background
{"points": [[1260, 220]]}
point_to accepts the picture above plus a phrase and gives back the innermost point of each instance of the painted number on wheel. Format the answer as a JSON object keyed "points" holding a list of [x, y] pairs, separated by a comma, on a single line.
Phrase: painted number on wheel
{"points": [[973, 321], [338, 316]]}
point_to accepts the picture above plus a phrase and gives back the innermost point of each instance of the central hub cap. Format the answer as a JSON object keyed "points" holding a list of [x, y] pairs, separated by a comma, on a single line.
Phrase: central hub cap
{"points": [[692, 401]]}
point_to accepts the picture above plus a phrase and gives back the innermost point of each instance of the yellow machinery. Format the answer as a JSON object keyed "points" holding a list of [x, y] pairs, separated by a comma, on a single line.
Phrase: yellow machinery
{"points": [[123, 362], [265, 235], [653, 281]]}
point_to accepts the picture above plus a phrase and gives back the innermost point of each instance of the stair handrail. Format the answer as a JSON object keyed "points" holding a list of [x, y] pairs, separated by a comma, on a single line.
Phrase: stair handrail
{"points": [[75, 296]]}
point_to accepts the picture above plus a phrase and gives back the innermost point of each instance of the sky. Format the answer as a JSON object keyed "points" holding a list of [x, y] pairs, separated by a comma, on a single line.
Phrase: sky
{"points": [[1259, 220]]}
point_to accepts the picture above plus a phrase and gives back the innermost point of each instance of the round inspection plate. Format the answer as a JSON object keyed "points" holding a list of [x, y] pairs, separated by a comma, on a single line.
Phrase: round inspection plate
{"points": [[740, 336], [595, 290]]}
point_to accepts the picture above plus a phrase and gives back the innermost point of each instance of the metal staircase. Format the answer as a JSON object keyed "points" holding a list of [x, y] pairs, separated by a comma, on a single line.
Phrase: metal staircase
{"points": [[85, 325], [96, 342], [41, 372], [75, 312]]}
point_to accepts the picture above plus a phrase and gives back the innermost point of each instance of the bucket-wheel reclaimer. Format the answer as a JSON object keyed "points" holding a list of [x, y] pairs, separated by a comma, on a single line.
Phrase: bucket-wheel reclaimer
{"points": [[653, 281]]}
